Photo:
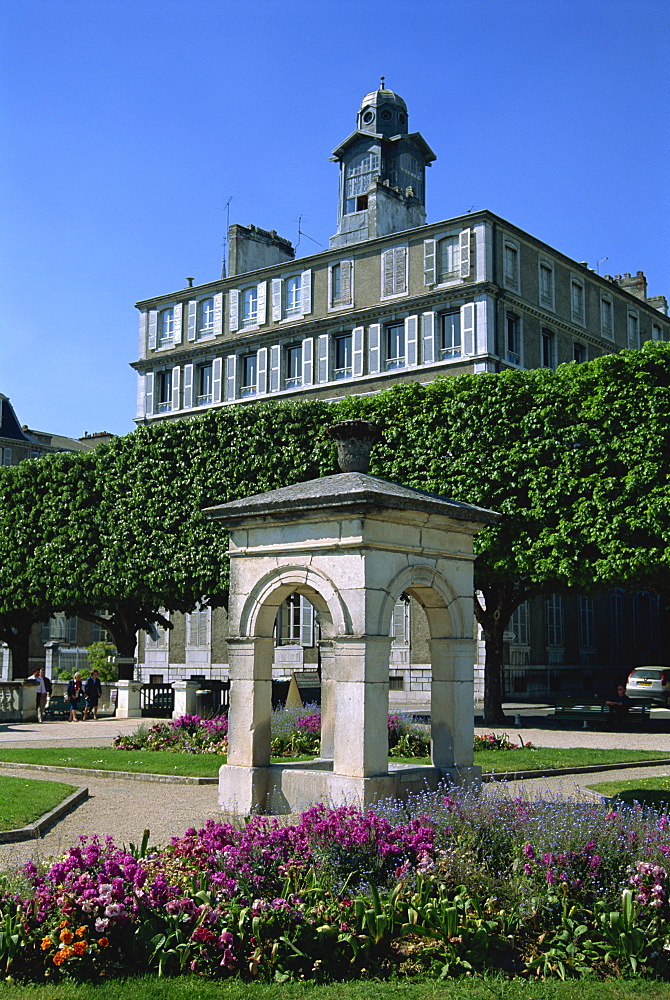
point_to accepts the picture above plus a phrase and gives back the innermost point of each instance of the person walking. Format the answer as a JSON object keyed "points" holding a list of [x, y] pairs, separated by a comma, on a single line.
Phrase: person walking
{"points": [[40, 694], [92, 694], [72, 695]]}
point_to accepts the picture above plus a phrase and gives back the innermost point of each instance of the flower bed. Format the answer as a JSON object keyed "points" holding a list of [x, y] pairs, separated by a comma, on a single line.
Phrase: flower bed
{"points": [[458, 882]]}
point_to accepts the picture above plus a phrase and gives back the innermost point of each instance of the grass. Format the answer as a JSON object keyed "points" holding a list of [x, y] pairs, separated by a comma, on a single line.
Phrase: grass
{"points": [[647, 791], [22, 800], [207, 766], [480, 988]]}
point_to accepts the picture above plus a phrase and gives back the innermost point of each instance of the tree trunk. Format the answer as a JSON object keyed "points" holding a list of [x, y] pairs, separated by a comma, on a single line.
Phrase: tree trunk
{"points": [[17, 637], [500, 601]]}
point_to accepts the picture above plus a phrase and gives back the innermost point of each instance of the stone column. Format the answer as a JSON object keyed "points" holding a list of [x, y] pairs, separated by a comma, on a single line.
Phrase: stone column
{"points": [[328, 666], [452, 702], [128, 705], [250, 671], [184, 697], [361, 706]]}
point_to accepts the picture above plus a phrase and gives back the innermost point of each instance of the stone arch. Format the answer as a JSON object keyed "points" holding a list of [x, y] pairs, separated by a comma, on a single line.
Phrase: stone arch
{"points": [[443, 608], [260, 608]]}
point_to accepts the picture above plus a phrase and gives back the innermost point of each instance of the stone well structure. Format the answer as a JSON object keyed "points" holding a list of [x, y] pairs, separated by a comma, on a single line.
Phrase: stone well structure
{"points": [[352, 544]]}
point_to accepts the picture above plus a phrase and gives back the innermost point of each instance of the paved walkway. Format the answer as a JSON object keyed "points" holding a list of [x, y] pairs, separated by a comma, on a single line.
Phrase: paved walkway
{"points": [[123, 809]]}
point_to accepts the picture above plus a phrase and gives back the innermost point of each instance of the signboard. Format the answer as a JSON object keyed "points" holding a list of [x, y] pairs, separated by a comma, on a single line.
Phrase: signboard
{"points": [[509, 636]]}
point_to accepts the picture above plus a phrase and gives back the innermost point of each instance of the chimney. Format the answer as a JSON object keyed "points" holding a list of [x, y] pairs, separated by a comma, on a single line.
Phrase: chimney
{"points": [[636, 285], [250, 248]]}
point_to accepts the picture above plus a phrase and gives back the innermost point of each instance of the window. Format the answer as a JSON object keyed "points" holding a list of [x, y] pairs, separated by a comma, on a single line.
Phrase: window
{"points": [[450, 333], [394, 272], [294, 625], [197, 628], [578, 352], [616, 619], [658, 334], [163, 391], [250, 306], [395, 346], [341, 284], [60, 629], [606, 318], [554, 610], [166, 328], [157, 636], [291, 297], [207, 316], [448, 258], [343, 357], [249, 385], [577, 301], [293, 356], [358, 177], [511, 264], [7, 456], [548, 349], [204, 383], [400, 622], [587, 626], [519, 625], [633, 332], [546, 285], [645, 620], [512, 338]]}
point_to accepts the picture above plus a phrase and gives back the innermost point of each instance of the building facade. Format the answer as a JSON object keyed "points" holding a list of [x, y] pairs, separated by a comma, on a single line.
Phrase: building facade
{"points": [[393, 298]]}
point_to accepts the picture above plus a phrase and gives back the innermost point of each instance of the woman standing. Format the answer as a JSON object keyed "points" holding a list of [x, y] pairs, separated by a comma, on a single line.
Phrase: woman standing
{"points": [[73, 692]]}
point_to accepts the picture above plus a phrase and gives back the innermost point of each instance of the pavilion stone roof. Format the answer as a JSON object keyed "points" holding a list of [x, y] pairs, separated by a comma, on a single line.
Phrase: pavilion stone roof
{"points": [[348, 492]]}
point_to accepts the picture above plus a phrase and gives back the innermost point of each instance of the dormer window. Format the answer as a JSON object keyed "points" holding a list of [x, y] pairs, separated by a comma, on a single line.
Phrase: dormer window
{"points": [[358, 178], [250, 306], [207, 316], [166, 327]]}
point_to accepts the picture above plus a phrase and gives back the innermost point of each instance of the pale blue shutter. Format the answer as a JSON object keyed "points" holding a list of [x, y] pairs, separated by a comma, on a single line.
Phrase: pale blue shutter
{"points": [[387, 273], [428, 338], [178, 312], [323, 357], [192, 321], [374, 334], [275, 361], [218, 314], [262, 302], [153, 327], [71, 630], [143, 335], [140, 409], [306, 292], [176, 372], [276, 299], [429, 262], [347, 282], [357, 337], [233, 309], [149, 394], [468, 328], [262, 371], [187, 401], [231, 376], [400, 269], [411, 340], [216, 380], [308, 361], [464, 246], [306, 622]]}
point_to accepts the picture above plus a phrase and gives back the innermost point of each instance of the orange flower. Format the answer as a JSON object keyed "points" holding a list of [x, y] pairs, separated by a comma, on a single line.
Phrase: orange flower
{"points": [[81, 931], [66, 936], [79, 947], [64, 923], [59, 958], [46, 943], [103, 942], [66, 952]]}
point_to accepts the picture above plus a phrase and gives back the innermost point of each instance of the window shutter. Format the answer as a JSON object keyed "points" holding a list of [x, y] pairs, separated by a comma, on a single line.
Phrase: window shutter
{"points": [[346, 282], [149, 394], [306, 622], [262, 371], [464, 245], [216, 380], [411, 340], [374, 333], [276, 299], [231, 376], [387, 272], [143, 335], [218, 314], [399, 626], [428, 338], [308, 361], [178, 312], [188, 387], [400, 269], [357, 351], [275, 359], [429, 262], [153, 326], [71, 630], [306, 292], [192, 320], [176, 372], [468, 328], [233, 309], [262, 302], [140, 408], [323, 352]]}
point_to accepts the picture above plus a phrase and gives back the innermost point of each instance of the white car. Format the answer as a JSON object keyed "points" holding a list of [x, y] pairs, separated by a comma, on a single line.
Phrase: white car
{"points": [[649, 684]]}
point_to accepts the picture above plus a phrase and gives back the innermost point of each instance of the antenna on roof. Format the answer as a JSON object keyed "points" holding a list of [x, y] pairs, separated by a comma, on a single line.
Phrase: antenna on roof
{"points": [[300, 233], [226, 209], [382, 85]]}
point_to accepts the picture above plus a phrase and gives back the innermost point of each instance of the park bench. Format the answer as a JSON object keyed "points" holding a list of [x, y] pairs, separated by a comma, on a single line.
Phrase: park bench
{"points": [[58, 707], [596, 714]]}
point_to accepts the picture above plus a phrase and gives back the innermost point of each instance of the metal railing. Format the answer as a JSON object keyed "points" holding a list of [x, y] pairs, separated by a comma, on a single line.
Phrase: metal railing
{"points": [[157, 701]]}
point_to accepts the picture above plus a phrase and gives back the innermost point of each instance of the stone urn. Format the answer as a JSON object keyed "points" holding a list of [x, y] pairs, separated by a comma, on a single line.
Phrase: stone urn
{"points": [[354, 439]]}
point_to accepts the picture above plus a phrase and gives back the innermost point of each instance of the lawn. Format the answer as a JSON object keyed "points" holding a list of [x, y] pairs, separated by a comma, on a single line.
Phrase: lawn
{"points": [[207, 765], [479, 988], [647, 791], [23, 801]]}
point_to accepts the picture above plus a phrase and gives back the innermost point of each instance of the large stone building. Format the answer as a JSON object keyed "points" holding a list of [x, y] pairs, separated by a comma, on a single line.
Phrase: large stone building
{"points": [[393, 298]]}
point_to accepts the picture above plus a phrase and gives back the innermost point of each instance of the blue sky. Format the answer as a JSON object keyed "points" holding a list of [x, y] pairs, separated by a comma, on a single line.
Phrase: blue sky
{"points": [[128, 124]]}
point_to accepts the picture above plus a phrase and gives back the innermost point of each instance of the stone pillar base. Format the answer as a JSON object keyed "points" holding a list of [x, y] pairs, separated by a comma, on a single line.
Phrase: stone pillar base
{"points": [[184, 697], [128, 704]]}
